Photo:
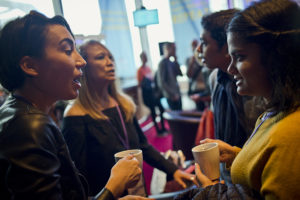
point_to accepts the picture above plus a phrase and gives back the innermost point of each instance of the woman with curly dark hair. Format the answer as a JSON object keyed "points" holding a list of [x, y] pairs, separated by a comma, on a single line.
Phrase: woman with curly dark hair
{"points": [[264, 45]]}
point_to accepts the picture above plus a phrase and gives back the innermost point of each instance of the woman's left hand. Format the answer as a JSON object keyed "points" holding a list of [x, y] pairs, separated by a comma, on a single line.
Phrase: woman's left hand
{"points": [[204, 180], [180, 176]]}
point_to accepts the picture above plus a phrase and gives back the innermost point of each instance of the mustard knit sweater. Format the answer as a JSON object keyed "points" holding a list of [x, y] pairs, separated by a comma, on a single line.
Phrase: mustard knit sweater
{"points": [[270, 161]]}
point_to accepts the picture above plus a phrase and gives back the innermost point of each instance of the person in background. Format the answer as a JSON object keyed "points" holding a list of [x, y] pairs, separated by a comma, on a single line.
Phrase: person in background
{"points": [[167, 72], [40, 65], [264, 44], [101, 122], [150, 97], [197, 83], [231, 118]]}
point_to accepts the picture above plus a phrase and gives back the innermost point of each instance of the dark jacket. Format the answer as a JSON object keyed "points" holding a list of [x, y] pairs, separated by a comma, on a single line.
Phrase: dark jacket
{"points": [[219, 192], [34, 158]]}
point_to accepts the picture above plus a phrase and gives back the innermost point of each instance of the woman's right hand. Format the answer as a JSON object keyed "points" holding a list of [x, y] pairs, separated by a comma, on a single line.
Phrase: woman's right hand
{"points": [[124, 174], [227, 152]]}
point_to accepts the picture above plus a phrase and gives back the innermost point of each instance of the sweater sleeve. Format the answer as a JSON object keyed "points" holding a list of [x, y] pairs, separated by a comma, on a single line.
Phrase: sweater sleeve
{"points": [[152, 156]]}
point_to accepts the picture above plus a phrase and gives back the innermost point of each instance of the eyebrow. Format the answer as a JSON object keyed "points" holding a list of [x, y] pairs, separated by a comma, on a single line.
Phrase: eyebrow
{"points": [[68, 40]]}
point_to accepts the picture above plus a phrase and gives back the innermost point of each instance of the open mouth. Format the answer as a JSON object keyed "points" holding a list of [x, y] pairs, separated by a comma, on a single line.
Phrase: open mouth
{"points": [[110, 71], [76, 82]]}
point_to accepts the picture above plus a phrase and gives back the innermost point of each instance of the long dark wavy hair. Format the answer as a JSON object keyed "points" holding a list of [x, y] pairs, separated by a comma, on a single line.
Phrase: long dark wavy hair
{"points": [[275, 26]]}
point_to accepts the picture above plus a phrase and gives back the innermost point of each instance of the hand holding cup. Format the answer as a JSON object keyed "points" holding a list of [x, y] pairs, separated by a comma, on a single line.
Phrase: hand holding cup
{"points": [[207, 156], [227, 152], [124, 174]]}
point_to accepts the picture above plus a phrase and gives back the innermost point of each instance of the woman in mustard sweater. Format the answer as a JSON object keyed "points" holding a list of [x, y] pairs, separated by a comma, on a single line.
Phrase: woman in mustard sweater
{"points": [[264, 45]]}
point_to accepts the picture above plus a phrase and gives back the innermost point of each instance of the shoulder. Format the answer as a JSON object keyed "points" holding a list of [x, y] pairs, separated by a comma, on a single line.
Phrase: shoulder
{"points": [[74, 109], [163, 61], [287, 129], [140, 69], [212, 79], [213, 75], [16, 115], [32, 129]]}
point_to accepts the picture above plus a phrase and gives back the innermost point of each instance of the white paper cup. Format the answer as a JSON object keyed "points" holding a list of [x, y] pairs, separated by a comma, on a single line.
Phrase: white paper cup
{"points": [[208, 157], [139, 188], [137, 153]]}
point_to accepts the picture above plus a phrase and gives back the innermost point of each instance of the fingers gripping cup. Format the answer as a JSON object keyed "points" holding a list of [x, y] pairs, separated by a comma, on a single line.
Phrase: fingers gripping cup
{"points": [[137, 153], [208, 157], [139, 188]]}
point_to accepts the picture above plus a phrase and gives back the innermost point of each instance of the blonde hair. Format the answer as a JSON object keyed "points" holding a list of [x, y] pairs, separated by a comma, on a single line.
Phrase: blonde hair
{"points": [[86, 97]]}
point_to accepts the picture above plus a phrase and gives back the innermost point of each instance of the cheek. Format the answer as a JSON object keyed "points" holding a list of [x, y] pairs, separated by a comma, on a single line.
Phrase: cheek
{"points": [[96, 72], [210, 52]]}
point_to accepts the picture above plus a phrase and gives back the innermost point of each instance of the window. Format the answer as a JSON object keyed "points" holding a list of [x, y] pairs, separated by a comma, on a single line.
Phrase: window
{"points": [[83, 16], [10, 9]]}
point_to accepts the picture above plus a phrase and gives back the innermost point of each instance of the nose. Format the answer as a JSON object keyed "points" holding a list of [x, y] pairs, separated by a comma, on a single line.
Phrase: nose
{"points": [[109, 61], [232, 68], [199, 48], [80, 62]]}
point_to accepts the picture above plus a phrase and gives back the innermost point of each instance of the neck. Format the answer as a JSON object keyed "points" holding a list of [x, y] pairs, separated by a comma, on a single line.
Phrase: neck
{"points": [[103, 98], [37, 100]]}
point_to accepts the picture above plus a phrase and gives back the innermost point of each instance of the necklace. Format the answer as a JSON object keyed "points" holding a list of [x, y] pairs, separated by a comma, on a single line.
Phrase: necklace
{"points": [[263, 119], [125, 141]]}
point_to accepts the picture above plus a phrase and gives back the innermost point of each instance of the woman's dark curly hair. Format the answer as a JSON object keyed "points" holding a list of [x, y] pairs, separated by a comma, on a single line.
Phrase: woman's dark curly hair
{"points": [[275, 26], [21, 37]]}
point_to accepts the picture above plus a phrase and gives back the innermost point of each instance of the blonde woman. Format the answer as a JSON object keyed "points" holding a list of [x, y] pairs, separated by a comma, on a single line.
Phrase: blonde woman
{"points": [[101, 122]]}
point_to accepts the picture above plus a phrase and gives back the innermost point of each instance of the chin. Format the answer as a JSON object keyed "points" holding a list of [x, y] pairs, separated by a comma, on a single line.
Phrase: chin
{"points": [[111, 79], [209, 66], [242, 92], [71, 96]]}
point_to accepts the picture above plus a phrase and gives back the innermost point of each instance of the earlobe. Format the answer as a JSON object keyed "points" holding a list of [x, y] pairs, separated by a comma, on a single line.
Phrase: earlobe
{"points": [[28, 65]]}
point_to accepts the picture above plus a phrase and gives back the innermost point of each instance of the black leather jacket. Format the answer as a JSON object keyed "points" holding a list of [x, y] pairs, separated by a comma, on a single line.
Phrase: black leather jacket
{"points": [[34, 158]]}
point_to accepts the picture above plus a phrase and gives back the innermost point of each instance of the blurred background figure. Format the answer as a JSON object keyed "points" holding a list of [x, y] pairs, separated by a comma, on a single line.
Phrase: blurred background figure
{"points": [[198, 77], [151, 96], [167, 72]]}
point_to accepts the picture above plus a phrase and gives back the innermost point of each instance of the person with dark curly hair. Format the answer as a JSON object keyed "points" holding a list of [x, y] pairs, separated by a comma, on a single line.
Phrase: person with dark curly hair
{"points": [[264, 45]]}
